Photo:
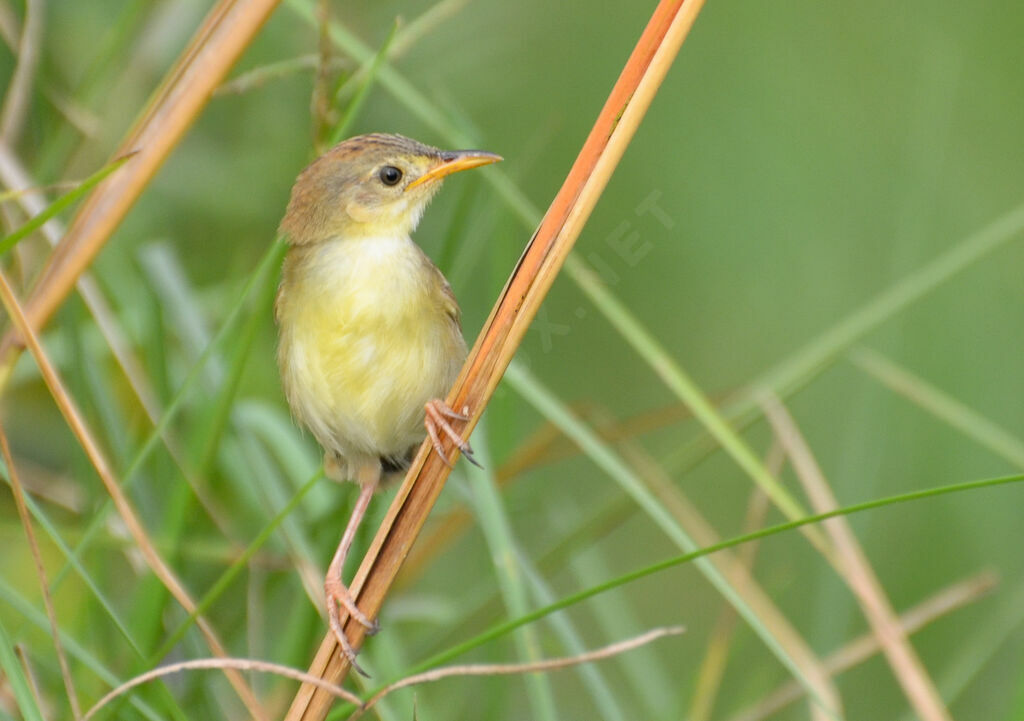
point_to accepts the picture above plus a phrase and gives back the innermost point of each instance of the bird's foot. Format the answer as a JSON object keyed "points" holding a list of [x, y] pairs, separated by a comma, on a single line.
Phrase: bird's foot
{"points": [[438, 415], [338, 596]]}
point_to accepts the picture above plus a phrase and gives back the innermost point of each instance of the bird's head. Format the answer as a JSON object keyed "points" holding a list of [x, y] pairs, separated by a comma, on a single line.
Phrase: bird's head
{"points": [[371, 185]]}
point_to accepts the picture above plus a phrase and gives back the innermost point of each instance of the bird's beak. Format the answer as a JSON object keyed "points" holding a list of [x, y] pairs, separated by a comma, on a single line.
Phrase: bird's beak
{"points": [[454, 161]]}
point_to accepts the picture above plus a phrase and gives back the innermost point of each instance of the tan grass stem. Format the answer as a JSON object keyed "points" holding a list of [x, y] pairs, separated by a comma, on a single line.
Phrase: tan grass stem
{"points": [[14, 175], [713, 666], [736, 570], [506, 669], [864, 647], [855, 568], [18, 491], [96, 457], [228, 29]]}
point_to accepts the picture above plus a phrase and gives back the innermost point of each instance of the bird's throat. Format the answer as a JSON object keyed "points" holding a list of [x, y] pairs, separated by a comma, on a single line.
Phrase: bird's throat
{"points": [[357, 278]]}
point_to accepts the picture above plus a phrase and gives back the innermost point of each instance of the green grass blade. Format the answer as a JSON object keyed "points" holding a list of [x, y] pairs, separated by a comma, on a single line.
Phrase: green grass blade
{"points": [[680, 383], [573, 599], [800, 367], [911, 288], [942, 405], [356, 104], [51, 530], [270, 442], [60, 204], [221, 408], [605, 458], [607, 706], [416, 102], [16, 679], [653, 682], [77, 651], [225, 579], [262, 274], [179, 300], [97, 77], [485, 500]]}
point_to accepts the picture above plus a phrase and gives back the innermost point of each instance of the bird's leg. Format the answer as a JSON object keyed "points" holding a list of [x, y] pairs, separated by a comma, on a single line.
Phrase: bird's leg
{"points": [[336, 591], [436, 421]]}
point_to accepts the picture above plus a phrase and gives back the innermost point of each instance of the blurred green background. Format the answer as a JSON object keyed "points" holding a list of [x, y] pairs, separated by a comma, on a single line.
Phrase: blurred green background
{"points": [[804, 157]]}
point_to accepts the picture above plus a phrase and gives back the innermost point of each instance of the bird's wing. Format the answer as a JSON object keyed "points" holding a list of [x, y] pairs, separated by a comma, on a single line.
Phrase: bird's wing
{"points": [[451, 306], [448, 302]]}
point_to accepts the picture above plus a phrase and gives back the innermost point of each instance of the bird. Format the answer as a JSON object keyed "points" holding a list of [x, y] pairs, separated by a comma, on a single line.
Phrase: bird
{"points": [[369, 331]]}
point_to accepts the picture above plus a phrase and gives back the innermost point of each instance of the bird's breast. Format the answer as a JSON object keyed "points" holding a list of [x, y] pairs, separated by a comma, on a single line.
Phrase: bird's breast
{"points": [[366, 338]]}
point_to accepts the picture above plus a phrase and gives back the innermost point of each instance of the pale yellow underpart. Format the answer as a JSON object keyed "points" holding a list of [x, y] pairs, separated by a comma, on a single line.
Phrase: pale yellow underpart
{"points": [[368, 334]]}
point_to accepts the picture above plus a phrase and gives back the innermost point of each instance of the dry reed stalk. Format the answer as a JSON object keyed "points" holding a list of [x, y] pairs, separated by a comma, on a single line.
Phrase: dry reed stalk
{"points": [[227, 30], [502, 333], [14, 175], [18, 491], [735, 569], [855, 568], [864, 647], [236, 664], [73, 417], [712, 668]]}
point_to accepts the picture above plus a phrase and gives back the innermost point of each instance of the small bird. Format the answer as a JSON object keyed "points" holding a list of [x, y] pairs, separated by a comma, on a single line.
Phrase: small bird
{"points": [[370, 332]]}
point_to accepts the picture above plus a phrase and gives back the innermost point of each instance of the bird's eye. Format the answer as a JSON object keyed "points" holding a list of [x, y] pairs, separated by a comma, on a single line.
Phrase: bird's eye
{"points": [[390, 175]]}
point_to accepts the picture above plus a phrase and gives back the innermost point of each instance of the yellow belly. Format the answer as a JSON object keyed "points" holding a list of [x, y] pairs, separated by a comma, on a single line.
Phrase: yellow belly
{"points": [[366, 339]]}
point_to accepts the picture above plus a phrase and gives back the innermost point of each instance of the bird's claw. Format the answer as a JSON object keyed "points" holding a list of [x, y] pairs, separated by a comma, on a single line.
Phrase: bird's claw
{"points": [[338, 596], [438, 413]]}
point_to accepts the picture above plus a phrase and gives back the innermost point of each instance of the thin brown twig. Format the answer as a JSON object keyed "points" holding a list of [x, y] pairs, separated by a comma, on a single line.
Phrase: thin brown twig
{"points": [[239, 664], [856, 569], [226, 31], [507, 324], [864, 647], [500, 669], [74, 419], [44, 585], [245, 664], [320, 103]]}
